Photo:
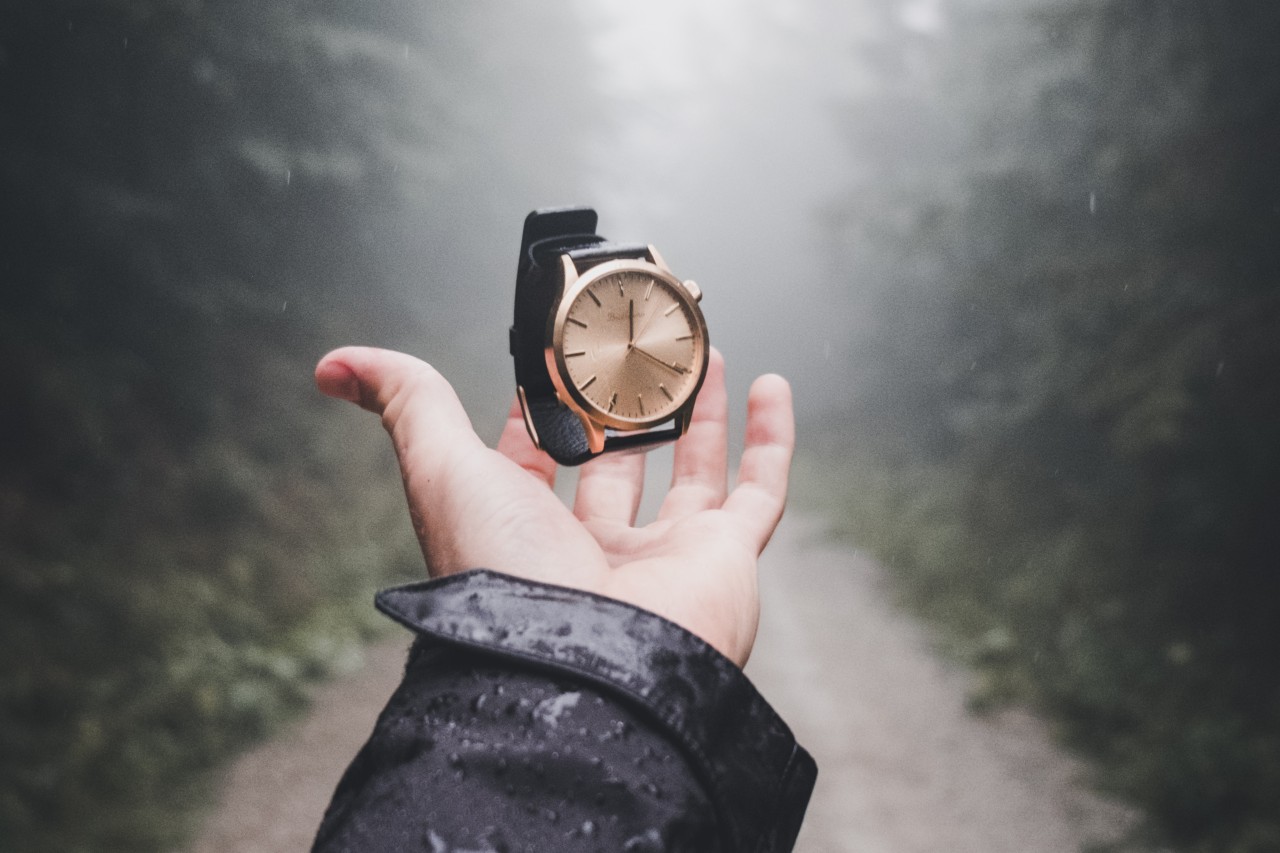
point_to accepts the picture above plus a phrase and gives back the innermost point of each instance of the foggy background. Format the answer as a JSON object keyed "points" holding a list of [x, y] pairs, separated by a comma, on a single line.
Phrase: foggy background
{"points": [[1017, 257]]}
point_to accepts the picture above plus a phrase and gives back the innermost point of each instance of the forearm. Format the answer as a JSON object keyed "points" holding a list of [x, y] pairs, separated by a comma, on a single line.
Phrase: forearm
{"points": [[534, 717]]}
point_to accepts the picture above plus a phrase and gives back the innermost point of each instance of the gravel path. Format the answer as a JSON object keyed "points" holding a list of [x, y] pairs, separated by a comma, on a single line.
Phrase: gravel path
{"points": [[903, 767]]}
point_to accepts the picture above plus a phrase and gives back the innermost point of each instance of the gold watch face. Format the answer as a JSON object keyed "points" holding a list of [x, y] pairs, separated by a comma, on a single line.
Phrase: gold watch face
{"points": [[631, 343]]}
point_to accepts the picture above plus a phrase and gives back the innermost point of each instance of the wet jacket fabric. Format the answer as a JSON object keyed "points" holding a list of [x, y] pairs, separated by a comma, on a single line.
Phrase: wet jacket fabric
{"points": [[538, 718]]}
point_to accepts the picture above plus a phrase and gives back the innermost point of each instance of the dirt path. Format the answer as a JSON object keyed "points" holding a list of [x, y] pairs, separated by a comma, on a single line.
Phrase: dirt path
{"points": [[903, 767]]}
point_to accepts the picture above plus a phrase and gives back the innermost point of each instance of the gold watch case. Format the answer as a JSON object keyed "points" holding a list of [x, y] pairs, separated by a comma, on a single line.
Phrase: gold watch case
{"points": [[627, 369]]}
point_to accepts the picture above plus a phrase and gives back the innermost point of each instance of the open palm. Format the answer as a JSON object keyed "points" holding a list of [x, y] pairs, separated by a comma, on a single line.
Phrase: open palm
{"points": [[475, 507]]}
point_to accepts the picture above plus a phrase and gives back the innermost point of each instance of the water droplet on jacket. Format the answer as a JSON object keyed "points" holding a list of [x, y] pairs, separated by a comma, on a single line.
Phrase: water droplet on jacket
{"points": [[437, 843], [588, 828], [651, 840], [455, 760], [551, 815], [494, 840]]}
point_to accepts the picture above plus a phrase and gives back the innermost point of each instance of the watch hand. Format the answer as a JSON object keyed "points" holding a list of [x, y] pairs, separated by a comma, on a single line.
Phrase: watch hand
{"points": [[677, 368], [648, 318], [631, 322]]}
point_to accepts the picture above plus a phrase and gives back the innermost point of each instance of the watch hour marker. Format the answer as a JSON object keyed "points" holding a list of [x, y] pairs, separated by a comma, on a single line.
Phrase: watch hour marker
{"points": [[681, 338], [587, 384], [663, 389], [594, 298], [669, 310], [576, 352], [578, 322], [613, 401], [648, 290], [640, 403]]}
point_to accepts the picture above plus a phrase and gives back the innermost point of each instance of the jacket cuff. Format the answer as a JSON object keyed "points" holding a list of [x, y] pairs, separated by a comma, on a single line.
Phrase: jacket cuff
{"points": [[757, 775]]}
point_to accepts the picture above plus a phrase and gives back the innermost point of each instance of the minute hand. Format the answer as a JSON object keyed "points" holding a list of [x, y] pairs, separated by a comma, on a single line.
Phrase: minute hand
{"points": [[677, 368]]}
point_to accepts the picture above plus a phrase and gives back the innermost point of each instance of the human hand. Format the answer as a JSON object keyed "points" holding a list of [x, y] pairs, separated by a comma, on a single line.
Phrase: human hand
{"points": [[474, 507]]}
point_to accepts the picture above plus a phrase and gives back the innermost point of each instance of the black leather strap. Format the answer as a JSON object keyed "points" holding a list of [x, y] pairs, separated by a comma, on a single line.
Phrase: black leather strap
{"points": [[548, 234]]}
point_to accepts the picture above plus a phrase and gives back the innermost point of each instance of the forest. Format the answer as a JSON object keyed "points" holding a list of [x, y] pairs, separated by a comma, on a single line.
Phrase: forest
{"points": [[1067, 449], [1062, 440], [181, 550]]}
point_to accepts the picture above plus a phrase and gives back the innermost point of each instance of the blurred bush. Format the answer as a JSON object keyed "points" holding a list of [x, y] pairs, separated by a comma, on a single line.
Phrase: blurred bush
{"points": [[1065, 442], [189, 532]]}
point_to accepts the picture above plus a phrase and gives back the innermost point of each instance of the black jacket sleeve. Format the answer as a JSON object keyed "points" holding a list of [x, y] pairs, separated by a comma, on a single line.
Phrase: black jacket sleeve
{"points": [[534, 717]]}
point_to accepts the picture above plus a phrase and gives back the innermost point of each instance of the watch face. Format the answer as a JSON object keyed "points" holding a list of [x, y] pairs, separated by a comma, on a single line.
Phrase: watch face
{"points": [[634, 346]]}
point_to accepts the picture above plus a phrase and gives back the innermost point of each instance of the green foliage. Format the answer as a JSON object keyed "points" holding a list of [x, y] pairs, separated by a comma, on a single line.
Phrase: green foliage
{"points": [[1068, 452], [184, 212]]}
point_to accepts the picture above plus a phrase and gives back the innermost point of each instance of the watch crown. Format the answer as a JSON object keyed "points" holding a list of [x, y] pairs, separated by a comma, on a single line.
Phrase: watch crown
{"points": [[694, 290]]}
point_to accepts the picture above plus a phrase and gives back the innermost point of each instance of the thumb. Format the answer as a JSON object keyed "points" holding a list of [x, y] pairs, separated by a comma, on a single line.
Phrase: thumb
{"points": [[417, 405]]}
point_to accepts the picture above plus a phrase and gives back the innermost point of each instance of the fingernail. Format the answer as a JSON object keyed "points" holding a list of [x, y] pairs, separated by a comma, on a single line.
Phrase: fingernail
{"points": [[338, 380]]}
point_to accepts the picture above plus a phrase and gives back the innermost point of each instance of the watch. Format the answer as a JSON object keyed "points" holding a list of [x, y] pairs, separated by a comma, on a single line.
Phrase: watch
{"points": [[610, 347]]}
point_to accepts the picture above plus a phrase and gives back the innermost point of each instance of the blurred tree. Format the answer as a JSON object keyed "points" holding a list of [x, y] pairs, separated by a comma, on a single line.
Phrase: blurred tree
{"points": [[190, 197], [1073, 425]]}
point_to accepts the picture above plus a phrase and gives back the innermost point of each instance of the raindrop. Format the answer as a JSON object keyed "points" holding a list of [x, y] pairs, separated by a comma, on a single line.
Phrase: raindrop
{"points": [[651, 840], [437, 843]]}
